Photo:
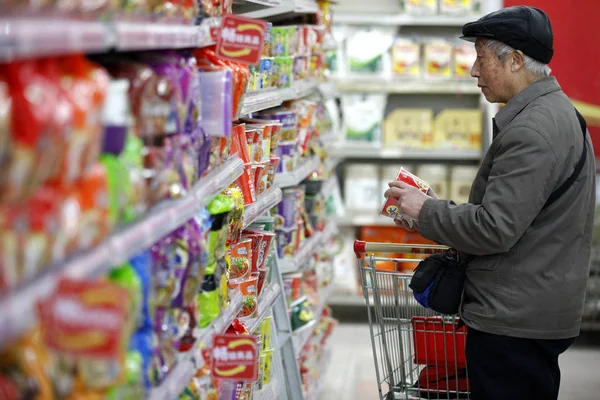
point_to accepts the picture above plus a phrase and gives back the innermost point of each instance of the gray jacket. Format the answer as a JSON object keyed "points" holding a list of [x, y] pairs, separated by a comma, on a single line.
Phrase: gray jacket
{"points": [[529, 276]]}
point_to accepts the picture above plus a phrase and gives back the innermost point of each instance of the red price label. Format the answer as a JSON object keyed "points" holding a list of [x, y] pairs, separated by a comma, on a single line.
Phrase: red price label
{"points": [[85, 318], [235, 358], [241, 39]]}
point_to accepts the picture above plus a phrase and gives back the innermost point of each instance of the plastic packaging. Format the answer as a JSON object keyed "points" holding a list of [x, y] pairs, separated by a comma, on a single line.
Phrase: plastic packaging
{"points": [[406, 58], [367, 50], [409, 128], [390, 208], [437, 58], [215, 87], [363, 116]]}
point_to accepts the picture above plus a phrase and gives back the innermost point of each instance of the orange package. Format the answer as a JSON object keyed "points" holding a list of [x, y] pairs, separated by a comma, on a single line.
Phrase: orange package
{"points": [[37, 143], [92, 194], [384, 234]]}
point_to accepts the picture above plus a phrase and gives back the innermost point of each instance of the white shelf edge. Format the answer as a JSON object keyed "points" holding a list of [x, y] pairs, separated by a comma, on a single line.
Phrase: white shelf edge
{"points": [[370, 150], [265, 304], [403, 20], [265, 202], [268, 12], [30, 37], [362, 218], [287, 179], [18, 307], [258, 100], [302, 256], [185, 369], [377, 84]]}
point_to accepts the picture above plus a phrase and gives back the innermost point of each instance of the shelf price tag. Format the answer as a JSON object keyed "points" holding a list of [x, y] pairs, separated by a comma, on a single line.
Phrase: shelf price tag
{"points": [[241, 39], [235, 358]]}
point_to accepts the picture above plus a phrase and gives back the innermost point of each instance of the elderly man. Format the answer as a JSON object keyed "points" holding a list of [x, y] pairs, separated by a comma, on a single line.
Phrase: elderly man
{"points": [[528, 223]]}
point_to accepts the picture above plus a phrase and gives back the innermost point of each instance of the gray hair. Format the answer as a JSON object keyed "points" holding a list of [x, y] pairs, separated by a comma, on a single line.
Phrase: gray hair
{"points": [[535, 67]]}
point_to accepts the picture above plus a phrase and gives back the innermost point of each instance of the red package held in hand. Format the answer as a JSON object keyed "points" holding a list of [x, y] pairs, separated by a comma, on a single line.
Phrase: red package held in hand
{"points": [[390, 208]]}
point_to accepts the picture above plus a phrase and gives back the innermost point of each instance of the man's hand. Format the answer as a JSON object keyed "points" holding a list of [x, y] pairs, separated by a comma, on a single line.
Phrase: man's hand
{"points": [[410, 199], [404, 224]]}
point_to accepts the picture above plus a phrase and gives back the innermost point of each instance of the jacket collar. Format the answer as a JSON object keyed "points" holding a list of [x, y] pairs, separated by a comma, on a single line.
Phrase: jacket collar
{"points": [[522, 100]]}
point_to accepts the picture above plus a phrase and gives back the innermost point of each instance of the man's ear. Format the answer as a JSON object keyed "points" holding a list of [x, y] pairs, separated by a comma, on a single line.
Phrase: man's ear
{"points": [[517, 61]]}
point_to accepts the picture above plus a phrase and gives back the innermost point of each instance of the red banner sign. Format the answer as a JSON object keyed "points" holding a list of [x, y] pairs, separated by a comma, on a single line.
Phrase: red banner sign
{"points": [[85, 318], [235, 358], [241, 39]]}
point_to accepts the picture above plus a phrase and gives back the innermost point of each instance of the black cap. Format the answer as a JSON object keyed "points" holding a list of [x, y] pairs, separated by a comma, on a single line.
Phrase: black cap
{"points": [[523, 28]]}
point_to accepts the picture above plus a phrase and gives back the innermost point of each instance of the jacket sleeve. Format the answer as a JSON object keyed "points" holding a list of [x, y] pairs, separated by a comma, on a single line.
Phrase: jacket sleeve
{"points": [[523, 174]]}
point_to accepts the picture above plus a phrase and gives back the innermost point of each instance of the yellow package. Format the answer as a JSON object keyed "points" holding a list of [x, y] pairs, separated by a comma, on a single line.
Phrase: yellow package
{"points": [[268, 366], [456, 7], [406, 58], [265, 328], [458, 129], [438, 59], [420, 7], [464, 58], [409, 128]]}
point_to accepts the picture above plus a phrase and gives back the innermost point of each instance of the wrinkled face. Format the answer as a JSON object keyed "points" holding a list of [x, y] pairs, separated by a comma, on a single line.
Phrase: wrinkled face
{"points": [[493, 75]]}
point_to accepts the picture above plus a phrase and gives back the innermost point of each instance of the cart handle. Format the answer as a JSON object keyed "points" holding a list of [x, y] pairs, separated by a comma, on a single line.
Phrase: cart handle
{"points": [[361, 247]]}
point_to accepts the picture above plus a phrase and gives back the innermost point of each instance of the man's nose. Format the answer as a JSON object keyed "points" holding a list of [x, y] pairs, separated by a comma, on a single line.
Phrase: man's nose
{"points": [[475, 70]]}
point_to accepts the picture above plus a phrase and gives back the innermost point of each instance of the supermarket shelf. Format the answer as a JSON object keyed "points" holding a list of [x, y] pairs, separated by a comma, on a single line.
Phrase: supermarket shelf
{"points": [[185, 369], [261, 100], [352, 300], [328, 233], [27, 37], [265, 304], [299, 89], [403, 20], [269, 392], [302, 256], [370, 150], [353, 218], [265, 202], [370, 84], [329, 186], [287, 179], [18, 307]]}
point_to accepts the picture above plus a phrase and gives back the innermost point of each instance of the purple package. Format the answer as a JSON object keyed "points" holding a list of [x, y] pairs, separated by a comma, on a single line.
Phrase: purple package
{"points": [[287, 211], [289, 121], [163, 273], [216, 102], [285, 238], [189, 271], [113, 140], [288, 154]]}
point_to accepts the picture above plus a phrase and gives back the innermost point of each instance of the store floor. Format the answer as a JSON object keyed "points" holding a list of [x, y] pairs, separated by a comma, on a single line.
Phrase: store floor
{"points": [[351, 374]]}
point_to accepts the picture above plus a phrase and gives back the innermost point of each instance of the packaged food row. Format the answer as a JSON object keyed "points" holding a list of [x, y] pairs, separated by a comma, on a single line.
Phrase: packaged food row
{"points": [[444, 7], [148, 309], [175, 11], [418, 129], [87, 148], [432, 58], [408, 128], [294, 40], [314, 356], [283, 71], [367, 183]]}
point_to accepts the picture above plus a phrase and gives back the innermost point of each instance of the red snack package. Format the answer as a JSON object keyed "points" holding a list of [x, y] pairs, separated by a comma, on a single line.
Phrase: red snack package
{"points": [[390, 208], [37, 144], [239, 143], [92, 194], [246, 183]]}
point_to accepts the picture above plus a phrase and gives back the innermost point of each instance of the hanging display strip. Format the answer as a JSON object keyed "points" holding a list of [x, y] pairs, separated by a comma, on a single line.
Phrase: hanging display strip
{"points": [[299, 89], [37, 37], [265, 304], [293, 178], [269, 392], [265, 202], [177, 380], [302, 256], [17, 307], [375, 85], [313, 394]]}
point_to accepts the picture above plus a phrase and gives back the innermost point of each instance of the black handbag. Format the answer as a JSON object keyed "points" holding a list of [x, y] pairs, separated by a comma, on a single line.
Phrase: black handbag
{"points": [[439, 280]]}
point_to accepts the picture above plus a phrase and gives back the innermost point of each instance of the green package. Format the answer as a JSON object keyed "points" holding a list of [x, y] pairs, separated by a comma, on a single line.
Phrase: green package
{"points": [[283, 71]]}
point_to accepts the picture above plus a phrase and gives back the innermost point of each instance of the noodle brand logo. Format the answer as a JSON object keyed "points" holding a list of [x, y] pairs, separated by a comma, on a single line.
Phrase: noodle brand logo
{"points": [[392, 210], [241, 39], [235, 358]]}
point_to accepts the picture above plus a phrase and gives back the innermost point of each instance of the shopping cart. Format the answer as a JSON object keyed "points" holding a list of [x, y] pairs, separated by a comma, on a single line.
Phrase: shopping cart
{"points": [[418, 353]]}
